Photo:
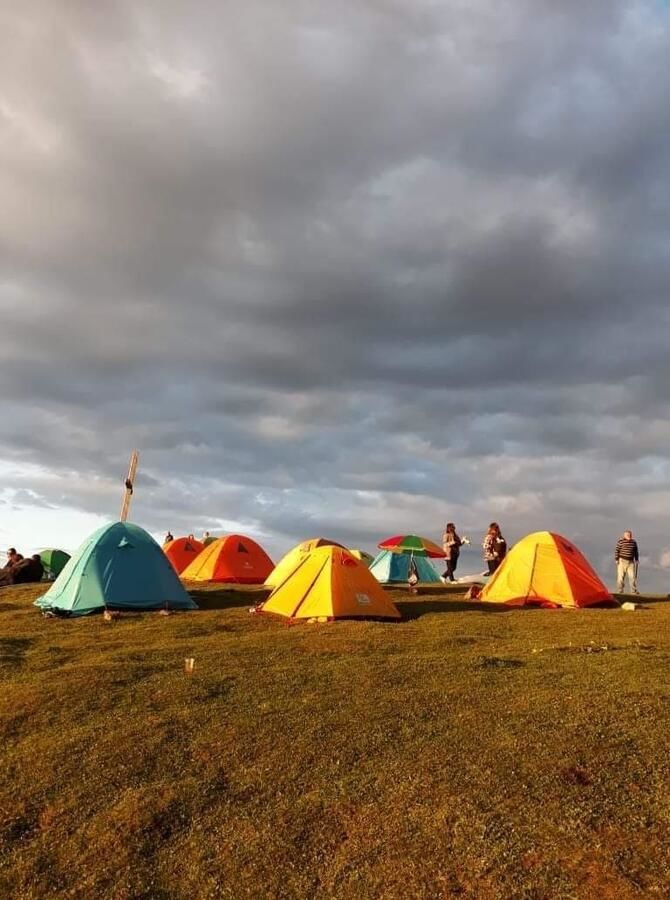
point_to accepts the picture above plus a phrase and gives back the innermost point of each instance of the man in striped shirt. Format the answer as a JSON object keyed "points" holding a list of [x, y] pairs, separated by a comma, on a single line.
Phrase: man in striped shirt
{"points": [[627, 558]]}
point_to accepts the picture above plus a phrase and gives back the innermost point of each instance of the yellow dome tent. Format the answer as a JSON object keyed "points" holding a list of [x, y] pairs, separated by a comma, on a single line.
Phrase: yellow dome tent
{"points": [[330, 583], [288, 562], [545, 569]]}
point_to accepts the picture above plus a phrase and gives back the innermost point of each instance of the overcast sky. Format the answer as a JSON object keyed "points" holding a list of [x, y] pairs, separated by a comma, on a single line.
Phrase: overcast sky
{"points": [[342, 269]]}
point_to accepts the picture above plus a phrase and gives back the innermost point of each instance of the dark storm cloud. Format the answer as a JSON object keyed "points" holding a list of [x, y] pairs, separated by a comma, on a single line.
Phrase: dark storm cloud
{"points": [[341, 268]]}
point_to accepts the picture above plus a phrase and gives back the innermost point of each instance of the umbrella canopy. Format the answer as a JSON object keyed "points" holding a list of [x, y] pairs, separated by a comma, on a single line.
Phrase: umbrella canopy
{"points": [[54, 560], [413, 544]]}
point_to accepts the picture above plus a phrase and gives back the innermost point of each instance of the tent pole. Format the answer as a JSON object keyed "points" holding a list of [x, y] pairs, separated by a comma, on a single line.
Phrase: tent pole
{"points": [[129, 484], [532, 572]]}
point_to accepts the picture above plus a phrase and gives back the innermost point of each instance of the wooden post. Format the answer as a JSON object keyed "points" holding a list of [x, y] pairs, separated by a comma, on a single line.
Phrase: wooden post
{"points": [[130, 482]]}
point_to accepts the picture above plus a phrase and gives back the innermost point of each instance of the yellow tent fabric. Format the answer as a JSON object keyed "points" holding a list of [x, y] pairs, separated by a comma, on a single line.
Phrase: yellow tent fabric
{"points": [[330, 583], [288, 562], [545, 569]]}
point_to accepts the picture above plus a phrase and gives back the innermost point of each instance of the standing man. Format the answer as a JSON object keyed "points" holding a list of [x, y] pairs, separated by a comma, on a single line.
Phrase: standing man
{"points": [[627, 558]]}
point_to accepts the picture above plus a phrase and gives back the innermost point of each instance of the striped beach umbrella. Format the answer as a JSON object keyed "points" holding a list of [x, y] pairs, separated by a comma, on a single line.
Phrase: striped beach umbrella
{"points": [[412, 544]]}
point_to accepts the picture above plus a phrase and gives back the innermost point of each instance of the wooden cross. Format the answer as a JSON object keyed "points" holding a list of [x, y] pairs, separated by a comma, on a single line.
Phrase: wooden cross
{"points": [[130, 481]]}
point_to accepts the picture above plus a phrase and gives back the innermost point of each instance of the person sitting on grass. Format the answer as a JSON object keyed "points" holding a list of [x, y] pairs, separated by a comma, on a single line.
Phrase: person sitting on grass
{"points": [[8, 572], [12, 558], [25, 571], [29, 570]]}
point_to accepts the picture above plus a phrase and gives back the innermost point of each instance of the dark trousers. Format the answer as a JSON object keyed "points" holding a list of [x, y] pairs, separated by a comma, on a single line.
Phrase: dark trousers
{"points": [[493, 565], [451, 568]]}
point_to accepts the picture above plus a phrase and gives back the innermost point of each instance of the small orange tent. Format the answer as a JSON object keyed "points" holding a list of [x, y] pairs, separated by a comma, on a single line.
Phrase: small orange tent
{"points": [[289, 561], [232, 558], [182, 551], [545, 569], [330, 583]]}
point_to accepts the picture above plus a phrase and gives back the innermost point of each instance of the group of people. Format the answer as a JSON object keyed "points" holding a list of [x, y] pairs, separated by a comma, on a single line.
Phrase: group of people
{"points": [[21, 570], [170, 537], [494, 549]]}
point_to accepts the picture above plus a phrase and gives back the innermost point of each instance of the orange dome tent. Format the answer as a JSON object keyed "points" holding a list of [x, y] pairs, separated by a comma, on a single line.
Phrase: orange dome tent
{"points": [[182, 551], [233, 558], [330, 583], [545, 569], [289, 561]]}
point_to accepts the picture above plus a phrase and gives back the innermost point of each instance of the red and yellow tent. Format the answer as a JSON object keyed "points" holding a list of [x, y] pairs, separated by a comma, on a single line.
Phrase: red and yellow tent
{"points": [[545, 569], [233, 558], [182, 551]]}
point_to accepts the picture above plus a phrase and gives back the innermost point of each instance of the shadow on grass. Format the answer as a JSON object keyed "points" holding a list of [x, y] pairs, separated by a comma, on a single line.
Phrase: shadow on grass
{"points": [[228, 598], [13, 650], [644, 599], [411, 609]]}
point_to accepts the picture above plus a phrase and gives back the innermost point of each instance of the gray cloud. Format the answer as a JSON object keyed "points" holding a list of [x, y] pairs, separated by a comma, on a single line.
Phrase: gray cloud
{"points": [[348, 270]]}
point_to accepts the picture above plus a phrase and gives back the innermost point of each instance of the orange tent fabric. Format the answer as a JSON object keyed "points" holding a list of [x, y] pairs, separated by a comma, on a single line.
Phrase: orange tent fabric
{"points": [[330, 583], [545, 569], [182, 551], [232, 558]]}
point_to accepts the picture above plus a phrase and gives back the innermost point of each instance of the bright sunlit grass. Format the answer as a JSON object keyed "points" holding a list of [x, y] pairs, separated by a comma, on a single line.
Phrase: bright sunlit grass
{"points": [[464, 750]]}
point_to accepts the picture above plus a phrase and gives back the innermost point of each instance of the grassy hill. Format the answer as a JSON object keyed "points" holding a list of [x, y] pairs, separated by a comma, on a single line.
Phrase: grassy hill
{"points": [[466, 751]]}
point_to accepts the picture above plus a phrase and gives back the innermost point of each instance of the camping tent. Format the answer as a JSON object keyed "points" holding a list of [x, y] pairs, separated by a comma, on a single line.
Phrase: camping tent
{"points": [[54, 561], [289, 561], [389, 567], [233, 558], [361, 555], [182, 551], [545, 569], [119, 566], [329, 582]]}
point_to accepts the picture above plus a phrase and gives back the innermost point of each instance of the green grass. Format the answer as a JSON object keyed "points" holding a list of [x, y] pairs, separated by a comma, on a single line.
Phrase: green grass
{"points": [[465, 751]]}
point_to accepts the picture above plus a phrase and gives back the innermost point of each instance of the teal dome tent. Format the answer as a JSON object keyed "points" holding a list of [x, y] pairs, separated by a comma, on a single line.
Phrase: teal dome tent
{"points": [[120, 566], [388, 567]]}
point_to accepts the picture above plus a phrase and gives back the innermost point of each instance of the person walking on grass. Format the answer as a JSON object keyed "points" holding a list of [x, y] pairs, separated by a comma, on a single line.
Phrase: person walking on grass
{"points": [[494, 547], [451, 544], [627, 558]]}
